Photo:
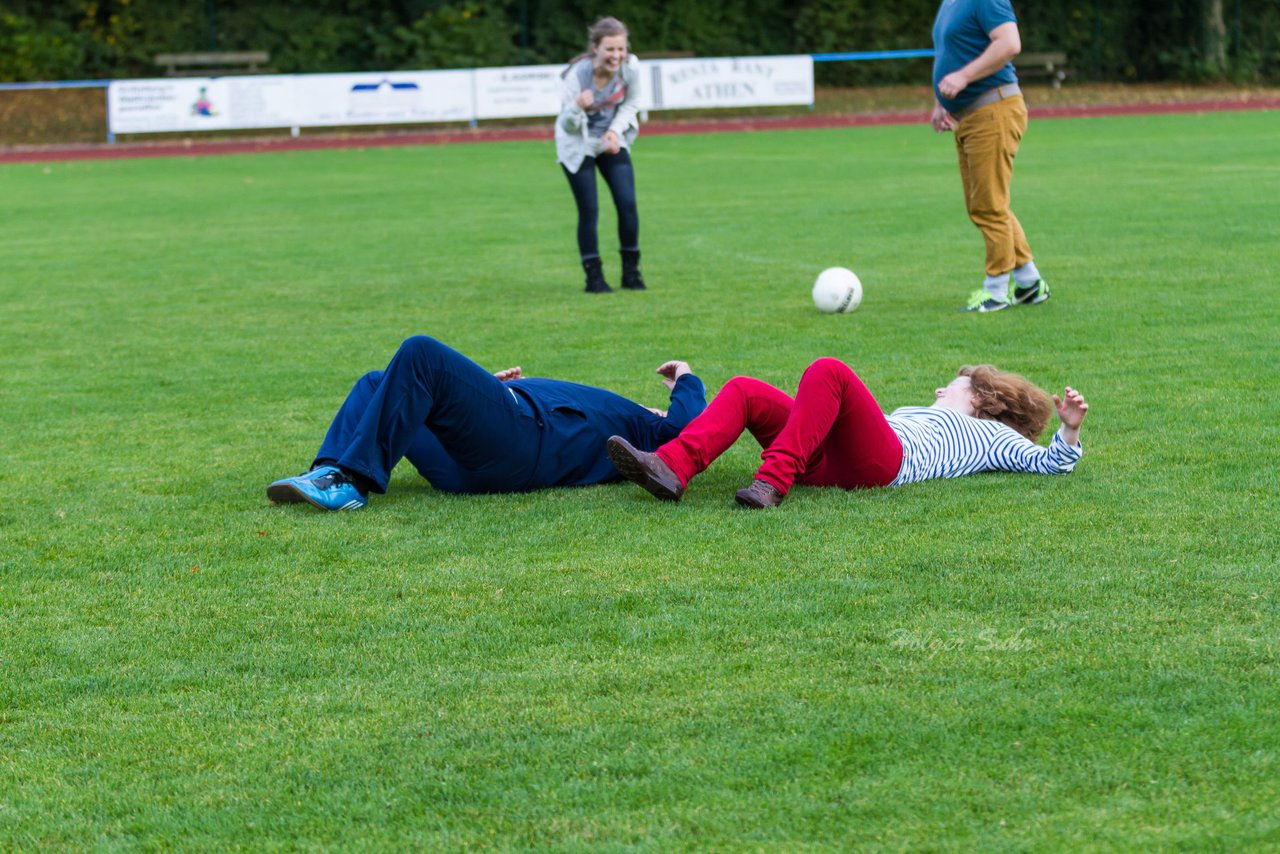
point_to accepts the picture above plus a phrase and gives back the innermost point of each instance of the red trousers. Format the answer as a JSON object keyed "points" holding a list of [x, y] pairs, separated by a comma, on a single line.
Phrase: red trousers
{"points": [[832, 434]]}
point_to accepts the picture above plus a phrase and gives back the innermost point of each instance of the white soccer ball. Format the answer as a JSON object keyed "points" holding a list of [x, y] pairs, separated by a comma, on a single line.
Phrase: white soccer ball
{"points": [[837, 291]]}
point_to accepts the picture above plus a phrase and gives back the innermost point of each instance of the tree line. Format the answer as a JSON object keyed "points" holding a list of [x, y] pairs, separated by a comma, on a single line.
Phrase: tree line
{"points": [[1106, 40]]}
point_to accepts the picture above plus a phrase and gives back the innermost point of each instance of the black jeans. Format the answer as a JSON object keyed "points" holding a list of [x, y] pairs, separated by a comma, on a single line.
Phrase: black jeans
{"points": [[620, 176]]}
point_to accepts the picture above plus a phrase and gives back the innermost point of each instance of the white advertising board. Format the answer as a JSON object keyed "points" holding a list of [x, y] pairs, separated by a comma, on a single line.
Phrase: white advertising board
{"points": [[530, 90], [516, 92], [413, 97], [384, 98], [199, 103], [749, 81]]}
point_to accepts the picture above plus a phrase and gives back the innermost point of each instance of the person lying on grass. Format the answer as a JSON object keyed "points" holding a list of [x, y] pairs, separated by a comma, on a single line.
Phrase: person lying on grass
{"points": [[467, 430], [834, 434]]}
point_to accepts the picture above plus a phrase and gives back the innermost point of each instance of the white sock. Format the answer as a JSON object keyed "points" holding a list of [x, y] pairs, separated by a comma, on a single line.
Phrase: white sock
{"points": [[1027, 274], [997, 286]]}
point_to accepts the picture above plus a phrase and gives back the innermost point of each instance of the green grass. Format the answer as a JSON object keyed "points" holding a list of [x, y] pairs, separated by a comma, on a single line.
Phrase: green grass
{"points": [[999, 662]]}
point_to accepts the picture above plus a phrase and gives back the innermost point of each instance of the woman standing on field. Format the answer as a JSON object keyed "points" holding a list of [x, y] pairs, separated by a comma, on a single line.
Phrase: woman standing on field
{"points": [[597, 124]]}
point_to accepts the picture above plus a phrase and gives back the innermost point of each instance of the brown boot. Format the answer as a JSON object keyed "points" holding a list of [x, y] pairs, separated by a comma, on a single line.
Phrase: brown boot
{"points": [[645, 469], [760, 495]]}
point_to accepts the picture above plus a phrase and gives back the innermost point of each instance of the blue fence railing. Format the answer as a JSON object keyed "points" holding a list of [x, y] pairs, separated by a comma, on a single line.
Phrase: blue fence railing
{"points": [[872, 54], [57, 84]]}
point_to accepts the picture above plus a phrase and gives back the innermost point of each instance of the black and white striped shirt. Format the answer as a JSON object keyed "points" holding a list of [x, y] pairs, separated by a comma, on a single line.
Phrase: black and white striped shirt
{"points": [[939, 442]]}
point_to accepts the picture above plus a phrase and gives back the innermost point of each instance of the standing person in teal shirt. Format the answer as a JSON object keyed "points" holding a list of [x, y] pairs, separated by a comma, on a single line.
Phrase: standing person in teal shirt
{"points": [[977, 96]]}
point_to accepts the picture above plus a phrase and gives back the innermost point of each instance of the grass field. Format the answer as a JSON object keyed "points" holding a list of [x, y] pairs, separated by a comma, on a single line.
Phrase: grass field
{"points": [[998, 663]]}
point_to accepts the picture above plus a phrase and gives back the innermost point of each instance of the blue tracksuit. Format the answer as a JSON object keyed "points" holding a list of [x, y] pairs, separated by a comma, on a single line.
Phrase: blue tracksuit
{"points": [[465, 430]]}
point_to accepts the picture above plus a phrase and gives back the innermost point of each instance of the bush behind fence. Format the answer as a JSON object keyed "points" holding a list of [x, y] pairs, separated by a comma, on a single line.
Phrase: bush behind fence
{"points": [[1126, 40]]}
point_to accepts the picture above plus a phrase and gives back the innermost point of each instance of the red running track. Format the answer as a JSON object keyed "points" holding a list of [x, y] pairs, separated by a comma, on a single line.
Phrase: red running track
{"points": [[103, 151]]}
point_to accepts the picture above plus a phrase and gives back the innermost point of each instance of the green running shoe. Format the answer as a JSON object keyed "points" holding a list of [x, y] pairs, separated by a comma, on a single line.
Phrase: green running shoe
{"points": [[982, 300]]}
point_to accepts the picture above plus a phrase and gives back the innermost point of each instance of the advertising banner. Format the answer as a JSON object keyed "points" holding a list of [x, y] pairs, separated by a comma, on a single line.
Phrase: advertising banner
{"points": [[199, 103], [525, 90], [420, 97], [749, 81], [383, 98]]}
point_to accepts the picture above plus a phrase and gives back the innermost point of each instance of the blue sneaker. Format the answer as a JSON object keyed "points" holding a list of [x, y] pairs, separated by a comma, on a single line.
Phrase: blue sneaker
{"points": [[327, 487], [283, 492]]}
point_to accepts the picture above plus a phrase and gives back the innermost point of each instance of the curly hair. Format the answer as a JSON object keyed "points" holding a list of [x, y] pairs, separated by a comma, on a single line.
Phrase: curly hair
{"points": [[1011, 399]]}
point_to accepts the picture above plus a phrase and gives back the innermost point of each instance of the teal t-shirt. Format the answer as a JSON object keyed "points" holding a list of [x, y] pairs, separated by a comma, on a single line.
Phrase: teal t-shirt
{"points": [[961, 32]]}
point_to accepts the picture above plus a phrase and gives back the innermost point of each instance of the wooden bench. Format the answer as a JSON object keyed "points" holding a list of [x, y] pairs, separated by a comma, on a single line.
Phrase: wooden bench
{"points": [[213, 64], [1050, 65]]}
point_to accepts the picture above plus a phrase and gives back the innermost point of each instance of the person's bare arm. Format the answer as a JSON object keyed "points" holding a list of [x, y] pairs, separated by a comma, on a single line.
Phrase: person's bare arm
{"points": [[1005, 44], [1072, 409]]}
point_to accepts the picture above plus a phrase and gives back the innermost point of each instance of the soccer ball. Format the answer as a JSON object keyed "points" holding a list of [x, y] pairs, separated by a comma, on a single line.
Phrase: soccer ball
{"points": [[837, 291]]}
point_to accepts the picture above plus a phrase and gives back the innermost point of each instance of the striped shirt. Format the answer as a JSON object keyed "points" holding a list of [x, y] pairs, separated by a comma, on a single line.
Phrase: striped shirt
{"points": [[938, 442]]}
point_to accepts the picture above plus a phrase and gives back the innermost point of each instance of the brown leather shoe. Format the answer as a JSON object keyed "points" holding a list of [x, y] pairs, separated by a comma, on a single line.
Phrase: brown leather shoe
{"points": [[645, 469], [760, 495]]}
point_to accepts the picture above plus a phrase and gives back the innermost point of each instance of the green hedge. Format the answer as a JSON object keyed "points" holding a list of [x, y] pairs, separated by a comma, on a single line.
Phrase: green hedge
{"points": [[1191, 40]]}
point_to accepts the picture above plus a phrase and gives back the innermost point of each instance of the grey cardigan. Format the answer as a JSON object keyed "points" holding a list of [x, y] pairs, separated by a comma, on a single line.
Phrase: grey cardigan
{"points": [[573, 144]]}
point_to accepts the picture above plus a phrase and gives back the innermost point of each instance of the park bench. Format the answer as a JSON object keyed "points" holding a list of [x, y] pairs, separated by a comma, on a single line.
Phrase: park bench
{"points": [[213, 64], [1050, 65]]}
